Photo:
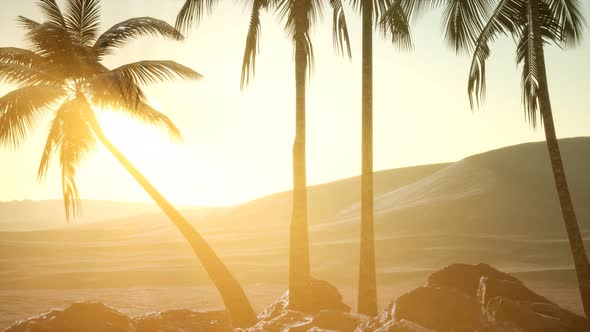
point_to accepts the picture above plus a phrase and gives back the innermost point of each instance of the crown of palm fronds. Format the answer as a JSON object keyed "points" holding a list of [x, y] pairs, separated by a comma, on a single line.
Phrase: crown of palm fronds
{"points": [[61, 75], [472, 25], [299, 16]]}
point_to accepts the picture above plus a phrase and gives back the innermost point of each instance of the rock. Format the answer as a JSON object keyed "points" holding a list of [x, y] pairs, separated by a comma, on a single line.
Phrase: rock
{"points": [[438, 309], [275, 309], [535, 316], [79, 317], [334, 320], [184, 320], [402, 326], [459, 298], [323, 296], [509, 289], [465, 278], [286, 321]]}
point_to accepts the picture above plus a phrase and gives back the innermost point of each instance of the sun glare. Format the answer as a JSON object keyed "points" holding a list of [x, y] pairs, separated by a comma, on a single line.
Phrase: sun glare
{"points": [[150, 149]]}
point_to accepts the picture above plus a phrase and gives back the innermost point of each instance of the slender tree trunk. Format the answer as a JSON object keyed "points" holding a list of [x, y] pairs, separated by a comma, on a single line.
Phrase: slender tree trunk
{"points": [[580, 257], [232, 293], [367, 296], [299, 274]]}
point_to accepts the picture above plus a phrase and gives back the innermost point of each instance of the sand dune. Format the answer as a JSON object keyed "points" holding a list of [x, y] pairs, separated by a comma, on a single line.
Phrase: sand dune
{"points": [[498, 207]]}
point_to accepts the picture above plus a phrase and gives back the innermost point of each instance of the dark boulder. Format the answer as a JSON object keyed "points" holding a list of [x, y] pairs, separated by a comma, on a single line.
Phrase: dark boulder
{"points": [[534, 316], [438, 309], [490, 288], [322, 296], [79, 317], [465, 278]]}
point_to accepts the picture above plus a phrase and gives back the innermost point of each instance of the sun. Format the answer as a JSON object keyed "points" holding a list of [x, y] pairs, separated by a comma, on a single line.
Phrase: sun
{"points": [[183, 171]]}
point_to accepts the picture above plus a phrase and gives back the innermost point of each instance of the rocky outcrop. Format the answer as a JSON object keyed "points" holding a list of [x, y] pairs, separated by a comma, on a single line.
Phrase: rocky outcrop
{"points": [[96, 317], [460, 298], [325, 297], [478, 297], [84, 316], [438, 309]]}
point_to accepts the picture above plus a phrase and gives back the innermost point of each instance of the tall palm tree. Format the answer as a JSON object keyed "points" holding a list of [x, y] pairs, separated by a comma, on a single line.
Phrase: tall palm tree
{"points": [[367, 283], [472, 25], [62, 76], [299, 15]]}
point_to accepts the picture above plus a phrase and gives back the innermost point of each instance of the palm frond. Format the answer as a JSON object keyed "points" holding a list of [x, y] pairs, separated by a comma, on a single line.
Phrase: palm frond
{"points": [[15, 73], [52, 12], [298, 17], [22, 108], [526, 55], [396, 23], [191, 13], [113, 90], [569, 15], [83, 19], [54, 141], [133, 28], [464, 21], [504, 20], [27, 23], [339, 28], [252, 42], [154, 71], [147, 114], [19, 56], [52, 41], [63, 57], [72, 138], [415, 8]]}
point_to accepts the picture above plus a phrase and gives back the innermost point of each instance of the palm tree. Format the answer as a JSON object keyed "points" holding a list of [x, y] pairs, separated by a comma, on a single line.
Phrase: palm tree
{"points": [[472, 25], [367, 284], [299, 15], [62, 76]]}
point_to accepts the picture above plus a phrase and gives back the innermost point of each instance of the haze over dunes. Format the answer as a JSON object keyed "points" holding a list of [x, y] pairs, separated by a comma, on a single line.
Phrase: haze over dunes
{"points": [[499, 207]]}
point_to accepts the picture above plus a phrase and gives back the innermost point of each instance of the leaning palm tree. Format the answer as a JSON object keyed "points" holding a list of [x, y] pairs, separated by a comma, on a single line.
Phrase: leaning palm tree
{"points": [[473, 25], [62, 76], [299, 15]]}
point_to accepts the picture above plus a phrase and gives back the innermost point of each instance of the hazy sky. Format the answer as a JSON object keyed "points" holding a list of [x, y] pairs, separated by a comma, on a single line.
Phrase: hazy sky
{"points": [[238, 144]]}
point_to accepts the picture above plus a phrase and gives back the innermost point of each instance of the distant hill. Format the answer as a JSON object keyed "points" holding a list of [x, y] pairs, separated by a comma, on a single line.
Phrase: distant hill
{"points": [[498, 207], [29, 215]]}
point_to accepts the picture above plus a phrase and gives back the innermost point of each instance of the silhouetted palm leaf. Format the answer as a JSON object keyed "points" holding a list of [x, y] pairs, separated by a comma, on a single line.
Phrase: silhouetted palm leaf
{"points": [[252, 42], [395, 23], [568, 14], [52, 12], [133, 28], [339, 28], [21, 109], [20, 56], [83, 20], [27, 23], [146, 72], [14, 73], [191, 13]]}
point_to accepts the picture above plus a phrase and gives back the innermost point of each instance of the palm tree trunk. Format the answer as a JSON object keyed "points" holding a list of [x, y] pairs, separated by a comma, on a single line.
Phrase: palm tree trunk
{"points": [[367, 296], [299, 270], [567, 209], [231, 291]]}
